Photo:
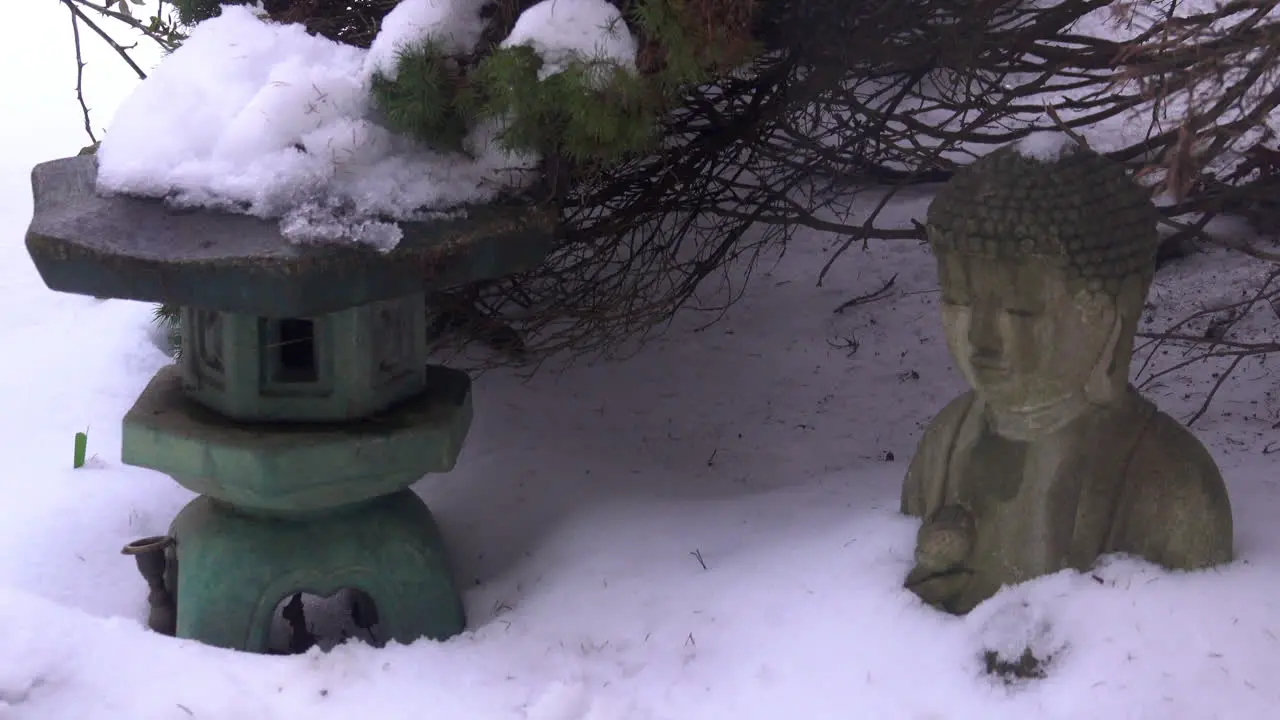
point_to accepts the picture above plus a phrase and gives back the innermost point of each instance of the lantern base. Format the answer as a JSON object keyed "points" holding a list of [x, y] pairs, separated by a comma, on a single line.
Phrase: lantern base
{"points": [[234, 568]]}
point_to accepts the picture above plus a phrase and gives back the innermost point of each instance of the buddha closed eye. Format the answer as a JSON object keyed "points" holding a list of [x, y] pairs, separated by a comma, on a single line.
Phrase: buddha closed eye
{"points": [[1008, 321]]}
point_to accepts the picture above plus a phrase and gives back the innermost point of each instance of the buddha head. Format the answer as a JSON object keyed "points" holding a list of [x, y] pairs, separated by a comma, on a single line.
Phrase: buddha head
{"points": [[1044, 268]]}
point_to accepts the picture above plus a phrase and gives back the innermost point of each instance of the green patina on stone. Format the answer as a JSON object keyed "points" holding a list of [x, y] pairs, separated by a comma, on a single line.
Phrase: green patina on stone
{"points": [[293, 468], [1052, 459], [390, 549], [337, 366], [302, 407], [141, 249]]}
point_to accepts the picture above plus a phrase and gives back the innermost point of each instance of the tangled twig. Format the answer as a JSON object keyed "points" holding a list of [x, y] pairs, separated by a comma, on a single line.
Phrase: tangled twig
{"points": [[847, 97], [867, 297], [1215, 342]]}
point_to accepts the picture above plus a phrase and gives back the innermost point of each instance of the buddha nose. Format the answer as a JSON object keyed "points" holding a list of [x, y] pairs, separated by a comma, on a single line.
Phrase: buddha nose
{"points": [[984, 334]]}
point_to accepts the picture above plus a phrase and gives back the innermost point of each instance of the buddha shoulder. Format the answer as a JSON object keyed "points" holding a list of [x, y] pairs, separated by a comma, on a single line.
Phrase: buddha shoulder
{"points": [[1175, 511], [928, 467]]}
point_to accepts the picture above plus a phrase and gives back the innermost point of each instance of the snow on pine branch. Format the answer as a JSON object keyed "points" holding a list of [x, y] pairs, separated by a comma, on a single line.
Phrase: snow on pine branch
{"points": [[561, 31], [455, 24], [256, 117]]}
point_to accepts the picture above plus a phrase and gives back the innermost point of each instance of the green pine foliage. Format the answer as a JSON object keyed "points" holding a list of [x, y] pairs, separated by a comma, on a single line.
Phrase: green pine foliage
{"points": [[683, 64], [194, 11], [592, 111], [167, 317], [423, 101], [690, 59]]}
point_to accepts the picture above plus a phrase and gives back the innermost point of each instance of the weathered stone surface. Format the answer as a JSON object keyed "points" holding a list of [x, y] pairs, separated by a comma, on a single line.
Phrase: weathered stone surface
{"points": [[1052, 459], [1086, 214], [234, 569], [296, 468], [341, 366], [140, 249]]}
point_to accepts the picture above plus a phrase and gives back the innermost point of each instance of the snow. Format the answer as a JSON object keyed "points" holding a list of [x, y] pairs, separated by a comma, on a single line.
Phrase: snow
{"points": [[1046, 146], [587, 502], [455, 25], [565, 31], [262, 118], [256, 117]]}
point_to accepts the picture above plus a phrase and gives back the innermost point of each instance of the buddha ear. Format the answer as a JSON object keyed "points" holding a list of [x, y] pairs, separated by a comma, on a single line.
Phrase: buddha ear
{"points": [[1101, 385]]}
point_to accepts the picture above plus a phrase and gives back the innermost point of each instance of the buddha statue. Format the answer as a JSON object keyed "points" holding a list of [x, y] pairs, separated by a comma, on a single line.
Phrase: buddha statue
{"points": [[1052, 459]]}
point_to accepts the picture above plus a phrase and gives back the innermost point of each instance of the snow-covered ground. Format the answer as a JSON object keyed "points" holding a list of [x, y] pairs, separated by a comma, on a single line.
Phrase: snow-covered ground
{"points": [[705, 531]]}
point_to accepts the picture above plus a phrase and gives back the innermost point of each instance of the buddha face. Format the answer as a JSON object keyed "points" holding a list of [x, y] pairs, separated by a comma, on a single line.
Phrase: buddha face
{"points": [[1021, 338]]}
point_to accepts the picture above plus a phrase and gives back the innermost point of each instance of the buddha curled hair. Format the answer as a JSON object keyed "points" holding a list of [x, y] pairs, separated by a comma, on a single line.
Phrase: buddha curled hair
{"points": [[1079, 210]]}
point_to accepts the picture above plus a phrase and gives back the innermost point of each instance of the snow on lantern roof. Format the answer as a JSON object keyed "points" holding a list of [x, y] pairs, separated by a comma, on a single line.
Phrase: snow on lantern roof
{"points": [[84, 242], [263, 119]]}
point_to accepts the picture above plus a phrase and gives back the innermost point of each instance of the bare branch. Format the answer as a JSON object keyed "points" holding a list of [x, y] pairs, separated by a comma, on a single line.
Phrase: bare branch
{"points": [[122, 51], [848, 97], [84, 107]]}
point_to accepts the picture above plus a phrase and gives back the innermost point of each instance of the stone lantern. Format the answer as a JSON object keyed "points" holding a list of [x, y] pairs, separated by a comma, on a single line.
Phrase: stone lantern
{"points": [[302, 407]]}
